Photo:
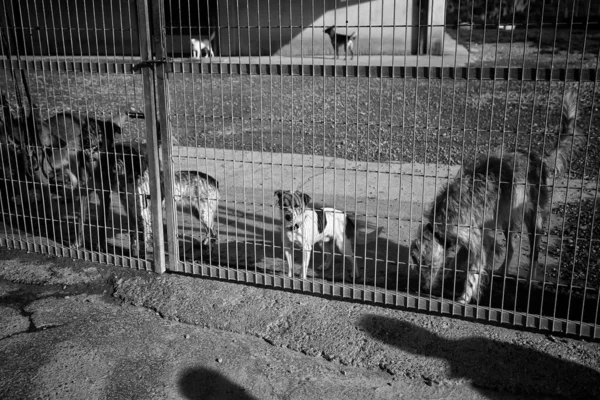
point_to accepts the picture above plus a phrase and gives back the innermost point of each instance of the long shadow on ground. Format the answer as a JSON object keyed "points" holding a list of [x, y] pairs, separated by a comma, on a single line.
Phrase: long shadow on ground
{"points": [[491, 364], [202, 383]]}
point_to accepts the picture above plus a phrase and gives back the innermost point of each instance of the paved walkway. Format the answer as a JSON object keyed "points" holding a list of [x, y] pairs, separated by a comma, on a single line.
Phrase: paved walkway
{"points": [[76, 330]]}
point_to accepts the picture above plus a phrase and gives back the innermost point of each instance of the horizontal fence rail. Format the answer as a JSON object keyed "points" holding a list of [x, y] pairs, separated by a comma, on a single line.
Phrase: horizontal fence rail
{"points": [[259, 102], [225, 67]]}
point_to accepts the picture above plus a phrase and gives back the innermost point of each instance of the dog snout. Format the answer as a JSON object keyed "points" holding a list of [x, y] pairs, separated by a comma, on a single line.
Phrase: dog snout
{"points": [[288, 217]]}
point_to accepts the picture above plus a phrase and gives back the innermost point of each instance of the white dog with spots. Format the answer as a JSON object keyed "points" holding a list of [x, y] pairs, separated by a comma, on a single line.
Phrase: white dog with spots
{"points": [[304, 227]]}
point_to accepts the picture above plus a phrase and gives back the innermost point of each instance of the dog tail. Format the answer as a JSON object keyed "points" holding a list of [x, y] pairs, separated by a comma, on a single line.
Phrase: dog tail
{"points": [[571, 139], [352, 36]]}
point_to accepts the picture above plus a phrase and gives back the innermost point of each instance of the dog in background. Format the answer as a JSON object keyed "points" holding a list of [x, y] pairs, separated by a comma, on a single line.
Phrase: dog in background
{"points": [[339, 40], [202, 48], [504, 190], [62, 154], [305, 227], [129, 174]]}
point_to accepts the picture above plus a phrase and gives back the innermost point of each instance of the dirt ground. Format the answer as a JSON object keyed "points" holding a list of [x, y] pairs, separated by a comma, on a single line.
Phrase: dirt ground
{"points": [[73, 329]]}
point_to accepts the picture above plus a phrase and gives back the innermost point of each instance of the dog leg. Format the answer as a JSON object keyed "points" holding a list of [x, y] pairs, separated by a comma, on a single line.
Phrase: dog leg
{"points": [[146, 220], [140, 224], [349, 255], [207, 210], [133, 222], [139, 237], [535, 237], [473, 282], [106, 199], [471, 287], [290, 261], [328, 249], [83, 210], [288, 251], [210, 216], [306, 250], [503, 270]]}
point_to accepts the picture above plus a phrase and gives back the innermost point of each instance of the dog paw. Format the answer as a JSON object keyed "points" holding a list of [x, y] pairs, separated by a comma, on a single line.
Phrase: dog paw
{"points": [[463, 299], [77, 244]]}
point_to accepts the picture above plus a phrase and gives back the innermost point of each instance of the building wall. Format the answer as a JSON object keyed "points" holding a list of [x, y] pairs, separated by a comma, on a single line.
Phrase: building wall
{"points": [[382, 27], [254, 27], [74, 27]]}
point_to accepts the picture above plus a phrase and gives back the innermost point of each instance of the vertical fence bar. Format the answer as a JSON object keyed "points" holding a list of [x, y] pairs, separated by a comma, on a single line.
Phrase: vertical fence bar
{"points": [[164, 131], [151, 135]]}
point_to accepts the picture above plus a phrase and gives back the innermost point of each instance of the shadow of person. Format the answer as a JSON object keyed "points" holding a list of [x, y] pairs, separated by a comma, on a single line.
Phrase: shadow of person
{"points": [[206, 384], [491, 364]]}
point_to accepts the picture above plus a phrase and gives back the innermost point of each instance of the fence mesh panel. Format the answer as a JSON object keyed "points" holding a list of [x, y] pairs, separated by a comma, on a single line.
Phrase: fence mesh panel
{"points": [[403, 105]]}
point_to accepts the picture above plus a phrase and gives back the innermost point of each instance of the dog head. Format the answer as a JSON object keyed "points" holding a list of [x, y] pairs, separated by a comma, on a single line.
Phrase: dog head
{"points": [[125, 166], [292, 205], [330, 30], [428, 254], [112, 127]]}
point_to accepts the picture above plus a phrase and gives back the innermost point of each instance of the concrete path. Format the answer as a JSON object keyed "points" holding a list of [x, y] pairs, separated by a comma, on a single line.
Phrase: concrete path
{"points": [[76, 330]]}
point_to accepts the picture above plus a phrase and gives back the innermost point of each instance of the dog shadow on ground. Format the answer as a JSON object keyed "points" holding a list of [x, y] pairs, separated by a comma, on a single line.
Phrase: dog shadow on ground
{"points": [[57, 220], [489, 364], [248, 243], [384, 262], [202, 383], [253, 242]]}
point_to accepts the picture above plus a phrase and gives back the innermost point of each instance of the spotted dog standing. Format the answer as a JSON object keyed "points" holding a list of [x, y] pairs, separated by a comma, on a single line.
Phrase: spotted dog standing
{"points": [[202, 48], [305, 227]]}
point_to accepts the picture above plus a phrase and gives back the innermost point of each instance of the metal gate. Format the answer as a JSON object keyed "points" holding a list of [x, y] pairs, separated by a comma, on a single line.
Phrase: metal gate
{"points": [[409, 135]]}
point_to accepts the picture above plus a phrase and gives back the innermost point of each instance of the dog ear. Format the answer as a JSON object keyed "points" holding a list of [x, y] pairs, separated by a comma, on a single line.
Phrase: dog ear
{"points": [[438, 237], [429, 227], [212, 36], [305, 198]]}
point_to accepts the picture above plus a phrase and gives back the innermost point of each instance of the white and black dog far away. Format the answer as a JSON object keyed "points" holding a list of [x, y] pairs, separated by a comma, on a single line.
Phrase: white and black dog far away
{"points": [[202, 48], [304, 227], [339, 40]]}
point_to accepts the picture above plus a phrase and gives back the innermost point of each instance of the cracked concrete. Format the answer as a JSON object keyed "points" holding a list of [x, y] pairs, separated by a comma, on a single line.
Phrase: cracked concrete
{"points": [[78, 330]]}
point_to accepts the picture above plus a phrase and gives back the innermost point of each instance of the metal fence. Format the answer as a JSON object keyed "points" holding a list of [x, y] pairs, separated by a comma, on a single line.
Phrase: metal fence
{"points": [[109, 107]]}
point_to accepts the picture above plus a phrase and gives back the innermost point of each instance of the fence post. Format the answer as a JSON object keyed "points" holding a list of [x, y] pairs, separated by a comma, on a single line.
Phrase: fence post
{"points": [[165, 136], [151, 135]]}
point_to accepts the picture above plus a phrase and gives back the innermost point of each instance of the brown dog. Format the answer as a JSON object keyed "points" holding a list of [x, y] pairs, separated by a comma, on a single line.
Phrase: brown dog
{"points": [[502, 191]]}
